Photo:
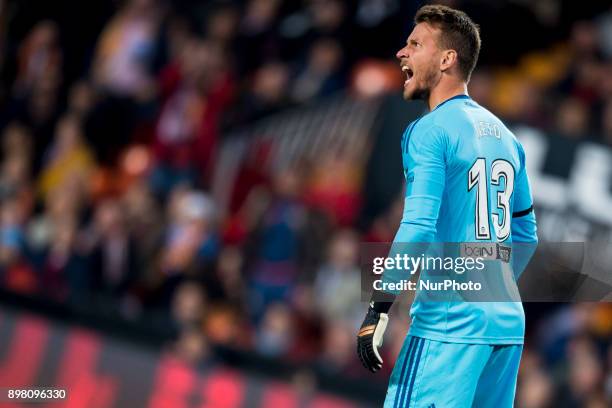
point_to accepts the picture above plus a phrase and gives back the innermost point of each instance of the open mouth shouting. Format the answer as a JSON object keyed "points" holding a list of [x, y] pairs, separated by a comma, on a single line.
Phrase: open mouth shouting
{"points": [[408, 72]]}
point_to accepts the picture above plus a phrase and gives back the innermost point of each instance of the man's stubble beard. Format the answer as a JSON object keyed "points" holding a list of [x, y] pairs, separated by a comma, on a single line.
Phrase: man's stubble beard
{"points": [[431, 80]]}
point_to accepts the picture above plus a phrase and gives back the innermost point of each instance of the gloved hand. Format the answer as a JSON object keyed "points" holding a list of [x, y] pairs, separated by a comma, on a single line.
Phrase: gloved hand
{"points": [[370, 339]]}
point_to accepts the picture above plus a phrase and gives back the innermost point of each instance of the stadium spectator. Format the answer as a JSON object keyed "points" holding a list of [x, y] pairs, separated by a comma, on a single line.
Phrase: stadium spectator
{"points": [[338, 282], [124, 52], [68, 160], [64, 273], [196, 90], [572, 119], [275, 334], [113, 258], [275, 244], [267, 93], [16, 171], [321, 75], [16, 272], [39, 56]]}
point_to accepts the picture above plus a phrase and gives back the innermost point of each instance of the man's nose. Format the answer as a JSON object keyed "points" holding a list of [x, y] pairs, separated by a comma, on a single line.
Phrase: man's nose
{"points": [[401, 53]]}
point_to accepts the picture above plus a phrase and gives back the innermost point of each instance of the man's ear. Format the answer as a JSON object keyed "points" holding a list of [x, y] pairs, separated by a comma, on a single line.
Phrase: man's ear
{"points": [[449, 59]]}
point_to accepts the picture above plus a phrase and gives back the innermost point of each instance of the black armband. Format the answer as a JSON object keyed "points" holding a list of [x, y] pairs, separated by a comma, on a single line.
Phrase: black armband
{"points": [[522, 213]]}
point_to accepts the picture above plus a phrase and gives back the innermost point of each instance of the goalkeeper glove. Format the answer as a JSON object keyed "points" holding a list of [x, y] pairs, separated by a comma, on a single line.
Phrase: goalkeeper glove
{"points": [[370, 336]]}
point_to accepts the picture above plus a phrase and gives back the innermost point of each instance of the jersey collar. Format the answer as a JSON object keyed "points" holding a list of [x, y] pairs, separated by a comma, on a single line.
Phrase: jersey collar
{"points": [[461, 96]]}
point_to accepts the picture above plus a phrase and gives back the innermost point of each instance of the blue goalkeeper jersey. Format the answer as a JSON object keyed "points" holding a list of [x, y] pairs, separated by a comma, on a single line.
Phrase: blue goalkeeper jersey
{"points": [[465, 182]]}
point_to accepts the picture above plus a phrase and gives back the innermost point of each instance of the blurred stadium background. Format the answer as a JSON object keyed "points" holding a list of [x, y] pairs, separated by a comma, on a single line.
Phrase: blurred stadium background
{"points": [[185, 185]]}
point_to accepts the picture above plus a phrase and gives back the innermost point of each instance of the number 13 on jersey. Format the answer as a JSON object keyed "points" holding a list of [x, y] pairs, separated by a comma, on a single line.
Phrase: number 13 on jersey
{"points": [[477, 179]]}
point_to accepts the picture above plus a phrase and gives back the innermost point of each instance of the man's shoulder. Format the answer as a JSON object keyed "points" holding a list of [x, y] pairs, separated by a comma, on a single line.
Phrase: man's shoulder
{"points": [[425, 135], [457, 118], [445, 122], [450, 115], [467, 115], [427, 125]]}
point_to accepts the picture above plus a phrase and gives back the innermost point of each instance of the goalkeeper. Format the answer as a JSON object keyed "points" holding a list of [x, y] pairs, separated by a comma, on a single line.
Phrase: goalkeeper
{"points": [[466, 182]]}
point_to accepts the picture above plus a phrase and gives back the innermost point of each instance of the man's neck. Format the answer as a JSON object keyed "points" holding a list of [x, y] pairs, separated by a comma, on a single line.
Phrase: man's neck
{"points": [[443, 92]]}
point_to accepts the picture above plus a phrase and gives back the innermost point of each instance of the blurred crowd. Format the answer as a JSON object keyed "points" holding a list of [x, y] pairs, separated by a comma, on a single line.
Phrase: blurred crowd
{"points": [[106, 174]]}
